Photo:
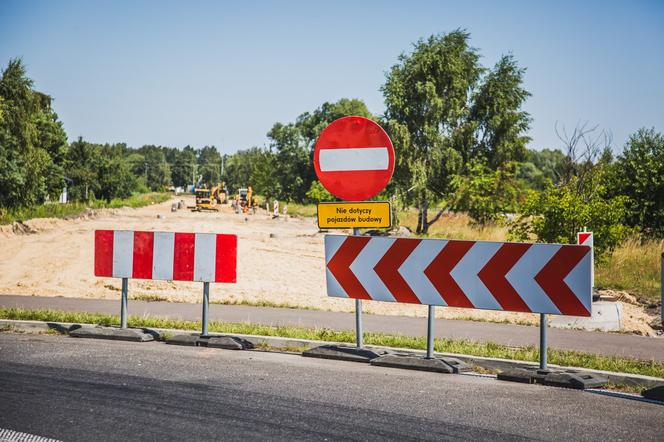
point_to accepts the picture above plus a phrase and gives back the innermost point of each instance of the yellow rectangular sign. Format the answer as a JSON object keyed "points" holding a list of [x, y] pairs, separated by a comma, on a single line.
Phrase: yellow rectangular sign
{"points": [[348, 215]]}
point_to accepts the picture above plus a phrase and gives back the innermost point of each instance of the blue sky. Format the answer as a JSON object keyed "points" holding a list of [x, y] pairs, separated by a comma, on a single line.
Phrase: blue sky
{"points": [[177, 73]]}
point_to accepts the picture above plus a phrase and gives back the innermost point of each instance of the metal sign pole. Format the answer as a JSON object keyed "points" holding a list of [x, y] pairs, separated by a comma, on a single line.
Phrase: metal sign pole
{"points": [[430, 332], [662, 288], [123, 306], [359, 331], [543, 343], [206, 302]]}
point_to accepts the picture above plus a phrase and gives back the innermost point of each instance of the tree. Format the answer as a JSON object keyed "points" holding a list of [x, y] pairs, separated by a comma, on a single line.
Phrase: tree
{"points": [[484, 193], [33, 144], [639, 174], [582, 198], [155, 168], [209, 165], [443, 108], [114, 176], [183, 166], [82, 162], [293, 145]]}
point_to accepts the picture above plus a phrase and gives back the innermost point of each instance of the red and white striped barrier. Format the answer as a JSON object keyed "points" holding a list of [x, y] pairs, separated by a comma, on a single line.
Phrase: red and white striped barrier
{"points": [[204, 257], [521, 277]]}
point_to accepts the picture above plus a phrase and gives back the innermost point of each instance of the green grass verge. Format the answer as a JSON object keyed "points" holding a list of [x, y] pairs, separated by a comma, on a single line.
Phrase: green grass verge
{"points": [[304, 210], [72, 209], [485, 349]]}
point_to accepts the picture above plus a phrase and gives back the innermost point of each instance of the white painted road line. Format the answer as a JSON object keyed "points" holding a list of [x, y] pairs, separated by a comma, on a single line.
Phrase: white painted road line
{"points": [[15, 436]]}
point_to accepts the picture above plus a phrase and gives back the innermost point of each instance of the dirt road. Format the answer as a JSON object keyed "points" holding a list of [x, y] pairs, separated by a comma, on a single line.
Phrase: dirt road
{"points": [[280, 261]]}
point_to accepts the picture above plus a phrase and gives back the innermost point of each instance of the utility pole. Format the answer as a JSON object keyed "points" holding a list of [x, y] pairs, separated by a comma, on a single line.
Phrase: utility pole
{"points": [[146, 173]]}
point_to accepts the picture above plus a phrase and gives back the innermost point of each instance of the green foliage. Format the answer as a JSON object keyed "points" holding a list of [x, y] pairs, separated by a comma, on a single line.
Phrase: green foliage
{"points": [[639, 174], [541, 166], [292, 146], [33, 144], [317, 193], [443, 109], [251, 167], [484, 193], [556, 214], [209, 162], [155, 169]]}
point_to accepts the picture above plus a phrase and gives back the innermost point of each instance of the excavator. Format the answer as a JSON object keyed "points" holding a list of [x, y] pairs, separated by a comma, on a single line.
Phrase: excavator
{"points": [[209, 199]]}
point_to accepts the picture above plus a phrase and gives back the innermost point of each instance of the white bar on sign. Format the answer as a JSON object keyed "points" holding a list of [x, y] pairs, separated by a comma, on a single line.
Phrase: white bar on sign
{"points": [[205, 253], [353, 158], [123, 254], [162, 258]]}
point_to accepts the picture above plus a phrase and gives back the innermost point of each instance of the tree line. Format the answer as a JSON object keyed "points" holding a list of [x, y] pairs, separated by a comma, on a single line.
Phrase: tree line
{"points": [[460, 135]]}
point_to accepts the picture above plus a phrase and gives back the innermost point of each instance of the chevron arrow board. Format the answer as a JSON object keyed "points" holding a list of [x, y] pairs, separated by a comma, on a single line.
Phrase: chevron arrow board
{"points": [[518, 277]]}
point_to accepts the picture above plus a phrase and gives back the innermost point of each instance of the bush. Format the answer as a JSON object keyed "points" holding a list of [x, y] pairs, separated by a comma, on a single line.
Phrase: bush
{"points": [[317, 193], [556, 214], [484, 193]]}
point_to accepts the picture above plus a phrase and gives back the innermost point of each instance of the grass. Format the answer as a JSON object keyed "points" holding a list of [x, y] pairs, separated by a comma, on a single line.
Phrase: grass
{"points": [[634, 267], [55, 210], [149, 298], [484, 349], [304, 210], [454, 226]]}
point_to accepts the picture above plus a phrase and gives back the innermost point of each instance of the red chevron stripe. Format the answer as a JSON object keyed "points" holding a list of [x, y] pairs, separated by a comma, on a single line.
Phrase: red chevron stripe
{"points": [[340, 263], [551, 279], [439, 270], [493, 276], [387, 270]]}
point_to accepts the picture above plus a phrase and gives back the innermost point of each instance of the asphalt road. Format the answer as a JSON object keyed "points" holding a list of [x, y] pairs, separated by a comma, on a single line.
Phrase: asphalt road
{"points": [[78, 389], [610, 344]]}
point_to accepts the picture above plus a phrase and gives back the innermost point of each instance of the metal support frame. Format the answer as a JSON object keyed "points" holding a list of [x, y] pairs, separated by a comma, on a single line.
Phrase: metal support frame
{"points": [[206, 306], [662, 288], [432, 316], [359, 330], [543, 342], [123, 305]]}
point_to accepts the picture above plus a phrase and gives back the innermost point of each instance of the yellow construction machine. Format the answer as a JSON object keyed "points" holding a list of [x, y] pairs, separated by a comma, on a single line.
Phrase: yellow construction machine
{"points": [[208, 199]]}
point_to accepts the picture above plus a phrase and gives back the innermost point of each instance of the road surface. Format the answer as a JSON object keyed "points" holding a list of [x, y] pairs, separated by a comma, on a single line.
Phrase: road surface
{"points": [[78, 389], [609, 344]]}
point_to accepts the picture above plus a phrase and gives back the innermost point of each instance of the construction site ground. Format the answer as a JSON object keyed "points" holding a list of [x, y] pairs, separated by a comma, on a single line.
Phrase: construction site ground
{"points": [[280, 263]]}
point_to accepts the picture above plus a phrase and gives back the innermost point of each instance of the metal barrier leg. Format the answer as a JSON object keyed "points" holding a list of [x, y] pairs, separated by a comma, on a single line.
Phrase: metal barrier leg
{"points": [[123, 306], [543, 343], [430, 332], [359, 331], [206, 305]]}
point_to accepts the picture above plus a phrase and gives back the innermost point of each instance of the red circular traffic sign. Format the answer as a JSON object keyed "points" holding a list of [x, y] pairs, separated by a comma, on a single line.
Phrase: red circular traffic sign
{"points": [[354, 158]]}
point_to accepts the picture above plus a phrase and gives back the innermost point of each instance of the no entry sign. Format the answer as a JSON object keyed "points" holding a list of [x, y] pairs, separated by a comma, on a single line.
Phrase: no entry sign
{"points": [[354, 158]]}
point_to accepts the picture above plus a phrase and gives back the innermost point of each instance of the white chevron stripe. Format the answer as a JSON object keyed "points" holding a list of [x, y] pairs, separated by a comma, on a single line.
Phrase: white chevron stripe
{"points": [[465, 274], [364, 264], [522, 278], [332, 244], [412, 270], [578, 280]]}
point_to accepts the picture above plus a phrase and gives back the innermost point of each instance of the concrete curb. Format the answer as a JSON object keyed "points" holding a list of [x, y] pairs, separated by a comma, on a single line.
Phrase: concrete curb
{"points": [[298, 345]]}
